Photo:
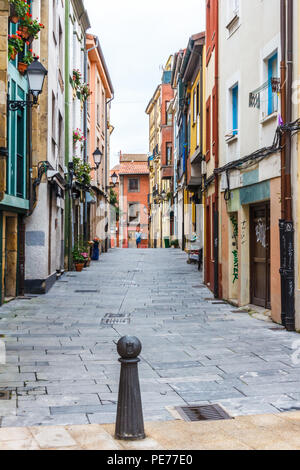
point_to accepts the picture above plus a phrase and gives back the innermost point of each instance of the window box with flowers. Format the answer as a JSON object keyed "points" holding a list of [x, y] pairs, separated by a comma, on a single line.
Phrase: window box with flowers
{"points": [[18, 9], [15, 45]]}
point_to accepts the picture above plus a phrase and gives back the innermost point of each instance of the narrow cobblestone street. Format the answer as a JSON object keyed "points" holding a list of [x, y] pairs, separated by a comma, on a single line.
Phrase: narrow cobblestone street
{"points": [[62, 364]]}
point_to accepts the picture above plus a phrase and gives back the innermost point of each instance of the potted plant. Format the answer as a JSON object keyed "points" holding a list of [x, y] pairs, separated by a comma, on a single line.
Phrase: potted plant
{"points": [[27, 60], [18, 9], [15, 45], [78, 259]]}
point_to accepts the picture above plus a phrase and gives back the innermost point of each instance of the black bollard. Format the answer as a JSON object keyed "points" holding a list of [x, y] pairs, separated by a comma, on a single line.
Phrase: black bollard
{"points": [[130, 422]]}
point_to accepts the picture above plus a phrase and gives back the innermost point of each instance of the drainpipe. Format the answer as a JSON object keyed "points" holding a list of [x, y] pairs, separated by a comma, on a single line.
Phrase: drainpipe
{"points": [[85, 155], [286, 226], [106, 173], [289, 226]]}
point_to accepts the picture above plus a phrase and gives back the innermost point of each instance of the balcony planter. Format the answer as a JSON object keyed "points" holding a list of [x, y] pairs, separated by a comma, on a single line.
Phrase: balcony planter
{"points": [[22, 67]]}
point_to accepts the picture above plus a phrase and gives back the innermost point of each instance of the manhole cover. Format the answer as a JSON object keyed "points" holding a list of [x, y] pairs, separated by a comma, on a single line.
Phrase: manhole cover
{"points": [[219, 303], [277, 329], [239, 311], [87, 291], [202, 413], [5, 395], [115, 319]]}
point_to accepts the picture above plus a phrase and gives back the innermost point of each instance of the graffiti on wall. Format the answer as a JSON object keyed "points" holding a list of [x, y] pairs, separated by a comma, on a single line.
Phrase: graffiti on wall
{"points": [[235, 233], [261, 230]]}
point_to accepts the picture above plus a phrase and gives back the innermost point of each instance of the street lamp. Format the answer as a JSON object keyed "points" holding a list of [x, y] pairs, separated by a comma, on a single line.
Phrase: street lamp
{"points": [[36, 74], [114, 178], [97, 156]]}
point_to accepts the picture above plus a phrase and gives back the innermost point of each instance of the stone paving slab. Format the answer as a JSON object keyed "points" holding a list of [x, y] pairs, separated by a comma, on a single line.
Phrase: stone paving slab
{"points": [[258, 432], [62, 365]]}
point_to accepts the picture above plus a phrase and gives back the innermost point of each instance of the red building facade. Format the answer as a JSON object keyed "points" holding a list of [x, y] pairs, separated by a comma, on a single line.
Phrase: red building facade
{"points": [[212, 267]]}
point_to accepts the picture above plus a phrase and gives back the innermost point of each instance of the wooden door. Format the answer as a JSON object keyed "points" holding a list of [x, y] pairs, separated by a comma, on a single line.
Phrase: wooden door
{"points": [[260, 255]]}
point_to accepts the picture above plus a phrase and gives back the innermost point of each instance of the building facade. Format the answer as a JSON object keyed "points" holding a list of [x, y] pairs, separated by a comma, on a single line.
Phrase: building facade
{"points": [[161, 161], [133, 199], [188, 79], [99, 130], [249, 201], [212, 266]]}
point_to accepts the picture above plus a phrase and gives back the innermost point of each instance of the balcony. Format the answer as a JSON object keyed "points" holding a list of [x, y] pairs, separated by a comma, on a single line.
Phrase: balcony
{"points": [[167, 172]]}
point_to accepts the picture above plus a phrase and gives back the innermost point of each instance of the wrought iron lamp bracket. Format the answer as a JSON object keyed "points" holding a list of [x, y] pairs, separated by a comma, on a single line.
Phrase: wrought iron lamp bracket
{"points": [[16, 105]]}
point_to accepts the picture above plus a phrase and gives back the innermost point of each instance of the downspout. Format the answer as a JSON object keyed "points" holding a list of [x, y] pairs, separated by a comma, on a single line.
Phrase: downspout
{"points": [[85, 155], [283, 157], [106, 172], [289, 227], [216, 242], [68, 194]]}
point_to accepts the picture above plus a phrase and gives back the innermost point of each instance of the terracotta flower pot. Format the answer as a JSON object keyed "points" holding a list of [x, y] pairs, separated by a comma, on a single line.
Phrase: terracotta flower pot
{"points": [[79, 267], [14, 18], [22, 67], [24, 32]]}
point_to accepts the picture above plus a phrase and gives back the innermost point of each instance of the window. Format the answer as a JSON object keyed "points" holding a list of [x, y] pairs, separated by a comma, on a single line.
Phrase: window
{"points": [[233, 14], [169, 153], [168, 115], [272, 73], [133, 185], [208, 128], [235, 110], [195, 106], [60, 139], [134, 213]]}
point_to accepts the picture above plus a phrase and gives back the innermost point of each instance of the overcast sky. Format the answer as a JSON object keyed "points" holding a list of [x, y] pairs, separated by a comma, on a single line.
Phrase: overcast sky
{"points": [[137, 37]]}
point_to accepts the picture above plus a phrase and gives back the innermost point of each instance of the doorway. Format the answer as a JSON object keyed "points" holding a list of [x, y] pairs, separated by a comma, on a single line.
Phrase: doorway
{"points": [[260, 255]]}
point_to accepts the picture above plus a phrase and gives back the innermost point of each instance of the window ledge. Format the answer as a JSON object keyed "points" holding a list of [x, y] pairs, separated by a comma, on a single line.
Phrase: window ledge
{"points": [[232, 22], [269, 118], [231, 138]]}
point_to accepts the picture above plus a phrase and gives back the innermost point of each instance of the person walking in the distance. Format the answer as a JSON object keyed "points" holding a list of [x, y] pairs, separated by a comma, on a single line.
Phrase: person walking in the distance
{"points": [[138, 236]]}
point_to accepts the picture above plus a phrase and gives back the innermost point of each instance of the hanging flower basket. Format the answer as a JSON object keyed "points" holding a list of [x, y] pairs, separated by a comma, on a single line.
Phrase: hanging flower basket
{"points": [[24, 32], [15, 45], [27, 60], [18, 9], [12, 53], [22, 67], [14, 17]]}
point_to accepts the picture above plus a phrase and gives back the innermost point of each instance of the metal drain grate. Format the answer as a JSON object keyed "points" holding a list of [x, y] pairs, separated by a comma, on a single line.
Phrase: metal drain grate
{"points": [[201, 286], [115, 319], [87, 291], [5, 395], [202, 413]]}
